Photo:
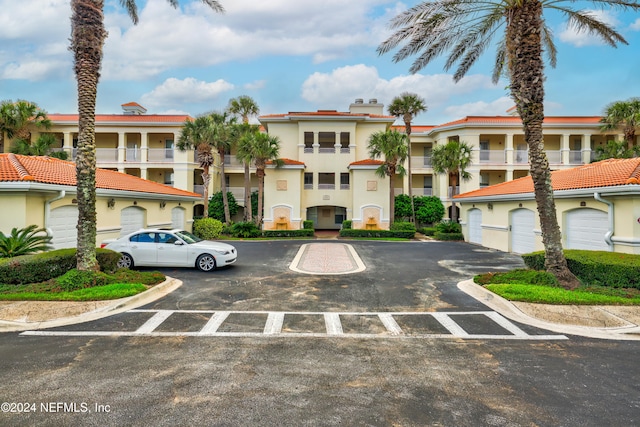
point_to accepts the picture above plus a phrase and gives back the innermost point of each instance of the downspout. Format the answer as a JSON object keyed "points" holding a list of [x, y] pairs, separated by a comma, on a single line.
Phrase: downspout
{"points": [[607, 236], [47, 211]]}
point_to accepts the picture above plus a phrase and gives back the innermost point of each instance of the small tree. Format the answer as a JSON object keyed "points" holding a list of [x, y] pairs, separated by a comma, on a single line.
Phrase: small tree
{"points": [[217, 206], [625, 115], [429, 209], [616, 150], [453, 159]]}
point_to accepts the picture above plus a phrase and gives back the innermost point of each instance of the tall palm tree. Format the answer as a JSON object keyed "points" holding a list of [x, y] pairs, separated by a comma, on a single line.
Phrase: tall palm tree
{"points": [[392, 146], [452, 158], [465, 28], [625, 115], [616, 150], [40, 147], [245, 106], [407, 106], [87, 38], [261, 148], [196, 134]]}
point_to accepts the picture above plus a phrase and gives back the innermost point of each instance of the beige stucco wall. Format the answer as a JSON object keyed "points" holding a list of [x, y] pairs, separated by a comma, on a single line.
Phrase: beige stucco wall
{"points": [[282, 189], [370, 199]]}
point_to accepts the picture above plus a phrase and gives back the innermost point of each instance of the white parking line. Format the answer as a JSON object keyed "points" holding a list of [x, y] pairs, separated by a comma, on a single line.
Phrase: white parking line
{"points": [[333, 326]]}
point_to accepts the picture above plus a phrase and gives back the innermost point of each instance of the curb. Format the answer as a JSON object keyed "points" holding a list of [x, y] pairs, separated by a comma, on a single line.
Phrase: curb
{"points": [[117, 306], [507, 309]]}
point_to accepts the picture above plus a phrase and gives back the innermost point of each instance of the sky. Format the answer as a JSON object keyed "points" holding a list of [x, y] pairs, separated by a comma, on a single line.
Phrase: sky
{"points": [[288, 55]]}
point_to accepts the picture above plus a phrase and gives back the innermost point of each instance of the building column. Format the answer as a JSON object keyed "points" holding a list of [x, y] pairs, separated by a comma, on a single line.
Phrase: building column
{"points": [[586, 148], [508, 148], [144, 147], [67, 144], [564, 148], [508, 174], [143, 173], [122, 147]]}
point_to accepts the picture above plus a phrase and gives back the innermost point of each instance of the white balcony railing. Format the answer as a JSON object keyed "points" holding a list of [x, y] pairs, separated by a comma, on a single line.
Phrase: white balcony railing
{"points": [[106, 155], [575, 157], [328, 150], [554, 157], [160, 155], [492, 156], [521, 157], [345, 186], [133, 155], [308, 186], [427, 191], [326, 186], [198, 189], [420, 161], [230, 161]]}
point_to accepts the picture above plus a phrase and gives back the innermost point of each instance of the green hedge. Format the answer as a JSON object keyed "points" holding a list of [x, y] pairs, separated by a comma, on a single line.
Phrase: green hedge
{"points": [[377, 233], [448, 236], [347, 224], [48, 265], [288, 233], [307, 224], [428, 231], [596, 267], [403, 226]]}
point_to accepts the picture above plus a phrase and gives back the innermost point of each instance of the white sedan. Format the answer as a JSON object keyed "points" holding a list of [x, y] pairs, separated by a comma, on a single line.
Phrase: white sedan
{"points": [[170, 248]]}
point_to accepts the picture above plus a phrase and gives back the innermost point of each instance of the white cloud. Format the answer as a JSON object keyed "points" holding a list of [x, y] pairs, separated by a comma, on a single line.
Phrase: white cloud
{"points": [[256, 85], [343, 85], [636, 25], [571, 35], [497, 107], [187, 91]]}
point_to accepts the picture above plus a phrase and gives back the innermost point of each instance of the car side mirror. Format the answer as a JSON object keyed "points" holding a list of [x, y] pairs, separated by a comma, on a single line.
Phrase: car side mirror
{"points": [[178, 243]]}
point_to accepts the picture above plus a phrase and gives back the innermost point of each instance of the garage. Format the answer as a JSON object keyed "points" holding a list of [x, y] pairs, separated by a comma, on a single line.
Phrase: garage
{"points": [[586, 229], [522, 236], [177, 218], [62, 223], [131, 219], [475, 226]]}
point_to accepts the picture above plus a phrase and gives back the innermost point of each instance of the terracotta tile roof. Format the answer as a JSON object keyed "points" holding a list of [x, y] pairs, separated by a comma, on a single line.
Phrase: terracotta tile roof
{"points": [[132, 104], [289, 162], [324, 113], [414, 128], [123, 118], [367, 162], [515, 120], [607, 173], [47, 170]]}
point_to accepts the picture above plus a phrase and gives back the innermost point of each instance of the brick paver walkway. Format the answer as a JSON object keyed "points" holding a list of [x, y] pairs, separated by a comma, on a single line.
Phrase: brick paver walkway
{"points": [[327, 258]]}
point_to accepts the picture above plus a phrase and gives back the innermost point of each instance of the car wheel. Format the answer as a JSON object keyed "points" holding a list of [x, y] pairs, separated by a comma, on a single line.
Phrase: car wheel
{"points": [[126, 261], [206, 262]]}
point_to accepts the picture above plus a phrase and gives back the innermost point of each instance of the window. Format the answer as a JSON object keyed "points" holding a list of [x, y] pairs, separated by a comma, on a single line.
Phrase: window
{"points": [[326, 181], [308, 180], [143, 238], [344, 180], [167, 238], [484, 151], [308, 142], [427, 185], [327, 141], [427, 156], [340, 215], [168, 178], [344, 142], [484, 179]]}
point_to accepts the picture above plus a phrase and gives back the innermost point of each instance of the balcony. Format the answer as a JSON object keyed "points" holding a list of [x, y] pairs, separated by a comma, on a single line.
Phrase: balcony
{"points": [[575, 157], [421, 161], [238, 193], [161, 155], [492, 156], [199, 189], [554, 157], [326, 186], [230, 161], [521, 157]]}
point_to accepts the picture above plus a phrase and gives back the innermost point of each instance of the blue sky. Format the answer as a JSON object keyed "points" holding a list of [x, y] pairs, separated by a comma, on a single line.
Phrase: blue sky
{"points": [[289, 55]]}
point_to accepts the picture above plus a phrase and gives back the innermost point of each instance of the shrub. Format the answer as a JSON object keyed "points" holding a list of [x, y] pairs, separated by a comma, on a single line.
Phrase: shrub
{"points": [[519, 276], [307, 224], [448, 227], [377, 233], [429, 209], [402, 206], [428, 231], [107, 259], [596, 267], [216, 206], [288, 233], [402, 226], [245, 229], [347, 224], [75, 279], [28, 240], [124, 275], [448, 236], [207, 228]]}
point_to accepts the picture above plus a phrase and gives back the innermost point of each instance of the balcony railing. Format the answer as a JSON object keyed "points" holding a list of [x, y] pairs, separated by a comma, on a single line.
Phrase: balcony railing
{"points": [[160, 155], [328, 150], [345, 186], [554, 157], [308, 186], [421, 161], [238, 193], [427, 191], [492, 156], [231, 161], [326, 186], [198, 189], [575, 157], [132, 155], [106, 155], [521, 156]]}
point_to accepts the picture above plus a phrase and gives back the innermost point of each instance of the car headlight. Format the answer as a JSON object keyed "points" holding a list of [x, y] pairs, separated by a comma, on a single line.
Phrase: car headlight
{"points": [[222, 252]]}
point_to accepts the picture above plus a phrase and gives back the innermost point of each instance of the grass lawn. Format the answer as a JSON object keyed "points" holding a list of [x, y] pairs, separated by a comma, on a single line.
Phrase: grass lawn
{"points": [[541, 288]]}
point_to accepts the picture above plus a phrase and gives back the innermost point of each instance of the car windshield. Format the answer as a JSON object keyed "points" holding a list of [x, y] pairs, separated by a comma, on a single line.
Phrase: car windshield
{"points": [[188, 237]]}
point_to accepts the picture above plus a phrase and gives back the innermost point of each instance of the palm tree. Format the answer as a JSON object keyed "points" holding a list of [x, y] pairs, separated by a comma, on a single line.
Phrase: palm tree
{"points": [[616, 150], [244, 106], [17, 119], [625, 114], [40, 147], [392, 146], [408, 105], [87, 38], [465, 29], [452, 158], [261, 148]]}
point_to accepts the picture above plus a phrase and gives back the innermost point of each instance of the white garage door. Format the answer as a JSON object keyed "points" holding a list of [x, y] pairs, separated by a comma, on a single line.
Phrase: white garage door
{"points": [[177, 218], [522, 237], [63, 222], [131, 219], [586, 229], [475, 227]]}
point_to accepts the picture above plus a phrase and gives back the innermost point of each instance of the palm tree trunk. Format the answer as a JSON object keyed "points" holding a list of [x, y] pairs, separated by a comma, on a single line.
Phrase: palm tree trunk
{"points": [[247, 193], [260, 173], [223, 187], [413, 208], [392, 200], [88, 35], [206, 179], [527, 90]]}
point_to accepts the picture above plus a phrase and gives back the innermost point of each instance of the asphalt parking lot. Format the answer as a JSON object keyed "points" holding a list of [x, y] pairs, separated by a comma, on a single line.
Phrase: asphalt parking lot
{"points": [[319, 378]]}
